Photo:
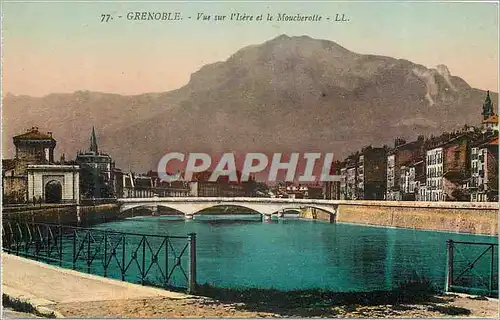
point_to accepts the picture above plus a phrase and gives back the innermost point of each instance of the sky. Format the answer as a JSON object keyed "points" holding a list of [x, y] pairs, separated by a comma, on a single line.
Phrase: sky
{"points": [[56, 47]]}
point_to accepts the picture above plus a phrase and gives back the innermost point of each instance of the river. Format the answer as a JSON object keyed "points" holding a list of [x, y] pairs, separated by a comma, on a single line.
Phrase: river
{"points": [[291, 253]]}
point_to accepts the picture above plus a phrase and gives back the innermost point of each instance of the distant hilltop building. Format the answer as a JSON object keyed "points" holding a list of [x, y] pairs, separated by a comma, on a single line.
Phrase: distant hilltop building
{"points": [[97, 171], [490, 119], [33, 176]]}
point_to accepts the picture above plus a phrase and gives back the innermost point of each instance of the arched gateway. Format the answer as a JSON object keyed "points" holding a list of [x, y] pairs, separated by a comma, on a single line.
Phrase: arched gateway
{"points": [[53, 183], [53, 192]]}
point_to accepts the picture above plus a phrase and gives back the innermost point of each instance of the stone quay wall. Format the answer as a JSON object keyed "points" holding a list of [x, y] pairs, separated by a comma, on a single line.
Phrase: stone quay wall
{"points": [[316, 214], [66, 214], [462, 217]]}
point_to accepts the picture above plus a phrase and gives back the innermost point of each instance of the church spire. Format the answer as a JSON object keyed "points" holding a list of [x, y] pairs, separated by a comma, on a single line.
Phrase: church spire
{"points": [[93, 142], [487, 107]]}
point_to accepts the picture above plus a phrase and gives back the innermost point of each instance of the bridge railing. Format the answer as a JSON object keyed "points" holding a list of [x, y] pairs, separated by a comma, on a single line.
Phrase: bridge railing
{"points": [[472, 267], [159, 260], [96, 201]]}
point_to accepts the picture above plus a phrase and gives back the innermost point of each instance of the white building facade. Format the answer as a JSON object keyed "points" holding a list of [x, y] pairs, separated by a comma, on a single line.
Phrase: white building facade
{"points": [[53, 183], [408, 184], [434, 181], [391, 193], [360, 178], [343, 183], [478, 183]]}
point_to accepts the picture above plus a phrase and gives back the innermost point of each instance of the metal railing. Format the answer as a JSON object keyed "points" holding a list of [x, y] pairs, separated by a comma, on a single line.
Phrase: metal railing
{"points": [[166, 261], [472, 267], [96, 201]]}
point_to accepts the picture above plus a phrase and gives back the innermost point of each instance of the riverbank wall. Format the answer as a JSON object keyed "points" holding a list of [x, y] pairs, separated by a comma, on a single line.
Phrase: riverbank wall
{"points": [[463, 217], [316, 214], [66, 214]]}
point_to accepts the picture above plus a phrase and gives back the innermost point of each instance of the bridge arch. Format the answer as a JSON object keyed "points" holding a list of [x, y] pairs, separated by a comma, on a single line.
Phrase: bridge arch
{"points": [[195, 208], [147, 210], [290, 209], [228, 208]]}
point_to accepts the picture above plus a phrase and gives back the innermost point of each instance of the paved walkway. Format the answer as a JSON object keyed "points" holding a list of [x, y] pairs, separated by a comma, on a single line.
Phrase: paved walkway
{"points": [[11, 314], [42, 284]]}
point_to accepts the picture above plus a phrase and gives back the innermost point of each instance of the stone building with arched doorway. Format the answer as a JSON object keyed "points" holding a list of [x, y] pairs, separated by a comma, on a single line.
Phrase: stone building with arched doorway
{"points": [[54, 183], [33, 173]]}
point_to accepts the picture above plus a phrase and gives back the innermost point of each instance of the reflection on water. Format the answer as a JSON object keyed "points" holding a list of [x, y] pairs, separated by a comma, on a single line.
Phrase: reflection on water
{"points": [[243, 251]]}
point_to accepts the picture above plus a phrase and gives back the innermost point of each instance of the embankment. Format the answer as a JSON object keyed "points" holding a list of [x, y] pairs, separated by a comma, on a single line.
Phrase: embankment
{"points": [[316, 214], [66, 214], [463, 217]]}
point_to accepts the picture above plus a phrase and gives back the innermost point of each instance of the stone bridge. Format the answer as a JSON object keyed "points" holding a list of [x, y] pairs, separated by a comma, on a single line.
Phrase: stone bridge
{"points": [[265, 206]]}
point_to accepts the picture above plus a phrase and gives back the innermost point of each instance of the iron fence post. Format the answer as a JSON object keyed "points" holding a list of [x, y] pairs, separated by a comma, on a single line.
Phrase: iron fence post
{"points": [[192, 263], [123, 257], [105, 253], [37, 243], [60, 244], [48, 241], [29, 240], [143, 271], [74, 249], [17, 239], [88, 252], [449, 269], [167, 239], [492, 265]]}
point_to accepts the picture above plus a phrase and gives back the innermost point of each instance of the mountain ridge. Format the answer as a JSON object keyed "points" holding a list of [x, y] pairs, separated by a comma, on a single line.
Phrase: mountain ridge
{"points": [[286, 94]]}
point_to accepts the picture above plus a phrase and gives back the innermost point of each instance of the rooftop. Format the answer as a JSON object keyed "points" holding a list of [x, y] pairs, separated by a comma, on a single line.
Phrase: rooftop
{"points": [[92, 154], [492, 142], [34, 134], [53, 167], [491, 119]]}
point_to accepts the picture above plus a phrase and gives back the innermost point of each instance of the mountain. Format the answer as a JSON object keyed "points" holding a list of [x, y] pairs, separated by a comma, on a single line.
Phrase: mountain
{"points": [[287, 94]]}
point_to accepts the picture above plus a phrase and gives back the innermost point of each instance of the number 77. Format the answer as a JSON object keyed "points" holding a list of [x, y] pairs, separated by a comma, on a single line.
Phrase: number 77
{"points": [[105, 17]]}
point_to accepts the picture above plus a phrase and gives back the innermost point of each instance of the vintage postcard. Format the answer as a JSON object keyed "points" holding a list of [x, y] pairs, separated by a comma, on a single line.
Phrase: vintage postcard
{"points": [[250, 159]]}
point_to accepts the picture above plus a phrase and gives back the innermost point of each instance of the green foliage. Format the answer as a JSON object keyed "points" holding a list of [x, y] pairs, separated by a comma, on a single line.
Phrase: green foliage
{"points": [[23, 306]]}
